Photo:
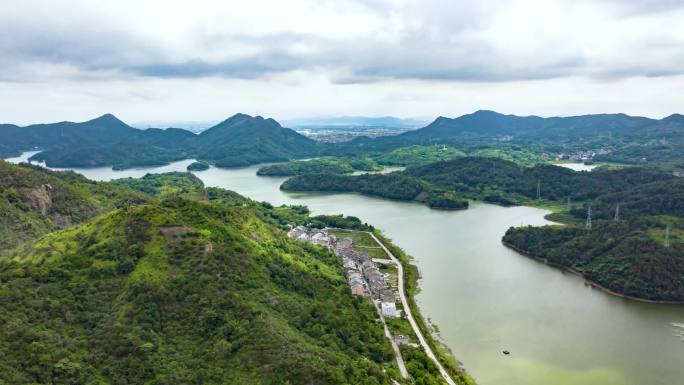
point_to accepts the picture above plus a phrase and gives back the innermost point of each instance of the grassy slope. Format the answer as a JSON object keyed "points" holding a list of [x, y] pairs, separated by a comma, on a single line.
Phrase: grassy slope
{"points": [[164, 185], [34, 201], [183, 292]]}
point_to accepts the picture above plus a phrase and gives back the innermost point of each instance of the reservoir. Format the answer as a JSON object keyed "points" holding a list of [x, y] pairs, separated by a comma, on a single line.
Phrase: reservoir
{"points": [[486, 298]]}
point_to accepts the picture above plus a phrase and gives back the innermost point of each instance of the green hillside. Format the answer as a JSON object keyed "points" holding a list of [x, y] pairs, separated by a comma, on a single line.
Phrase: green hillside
{"points": [[35, 201], [242, 140], [626, 257], [183, 292], [107, 141], [324, 165], [488, 179], [164, 185]]}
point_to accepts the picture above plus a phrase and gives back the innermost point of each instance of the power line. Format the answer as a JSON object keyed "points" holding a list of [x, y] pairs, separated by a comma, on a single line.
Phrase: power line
{"points": [[588, 225], [667, 236]]}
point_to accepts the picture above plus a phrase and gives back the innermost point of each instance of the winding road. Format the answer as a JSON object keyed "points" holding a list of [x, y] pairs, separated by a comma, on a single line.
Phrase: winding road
{"points": [[409, 315]]}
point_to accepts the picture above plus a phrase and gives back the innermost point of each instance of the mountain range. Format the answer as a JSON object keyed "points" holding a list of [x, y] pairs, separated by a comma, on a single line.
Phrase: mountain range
{"points": [[243, 139], [237, 141]]}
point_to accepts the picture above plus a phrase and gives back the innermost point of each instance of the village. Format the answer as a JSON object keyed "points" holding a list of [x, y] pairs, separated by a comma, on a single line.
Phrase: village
{"points": [[373, 272], [363, 274]]}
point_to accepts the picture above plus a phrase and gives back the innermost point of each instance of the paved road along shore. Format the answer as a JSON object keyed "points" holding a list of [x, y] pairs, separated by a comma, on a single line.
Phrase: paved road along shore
{"points": [[407, 310]]}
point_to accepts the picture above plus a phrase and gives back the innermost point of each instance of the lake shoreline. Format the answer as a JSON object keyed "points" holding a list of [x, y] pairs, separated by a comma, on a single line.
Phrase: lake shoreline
{"points": [[472, 289], [589, 282], [411, 277]]}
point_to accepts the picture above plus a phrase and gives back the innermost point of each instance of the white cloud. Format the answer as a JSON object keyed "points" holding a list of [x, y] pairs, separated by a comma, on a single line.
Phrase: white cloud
{"points": [[364, 56]]}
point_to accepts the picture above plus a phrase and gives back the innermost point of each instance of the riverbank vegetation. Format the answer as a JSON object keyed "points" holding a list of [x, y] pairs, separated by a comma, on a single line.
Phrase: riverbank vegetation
{"points": [[198, 166], [450, 184], [623, 255], [422, 364], [394, 185], [626, 257], [313, 166]]}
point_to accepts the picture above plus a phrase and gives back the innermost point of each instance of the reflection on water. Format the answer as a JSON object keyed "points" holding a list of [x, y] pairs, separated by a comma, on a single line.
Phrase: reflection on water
{"points": [[486, 298]]}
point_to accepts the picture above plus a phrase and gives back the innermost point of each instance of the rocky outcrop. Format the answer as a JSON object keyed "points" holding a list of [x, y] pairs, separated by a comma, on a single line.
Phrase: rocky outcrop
{"points": [[39, 198]]}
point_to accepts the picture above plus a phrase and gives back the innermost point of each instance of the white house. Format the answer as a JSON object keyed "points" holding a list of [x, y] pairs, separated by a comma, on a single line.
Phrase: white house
{"points": [[389, 309]]}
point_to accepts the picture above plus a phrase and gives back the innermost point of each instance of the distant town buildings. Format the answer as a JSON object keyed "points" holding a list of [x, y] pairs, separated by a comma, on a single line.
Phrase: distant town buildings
{"points": [[577, 156]]}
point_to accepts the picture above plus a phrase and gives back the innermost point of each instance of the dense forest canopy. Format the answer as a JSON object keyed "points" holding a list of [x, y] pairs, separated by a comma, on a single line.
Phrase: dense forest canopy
{"points": [[107, 141], [627, 257], [489, 179], [161, 280], [625, 253], [183, 291]]}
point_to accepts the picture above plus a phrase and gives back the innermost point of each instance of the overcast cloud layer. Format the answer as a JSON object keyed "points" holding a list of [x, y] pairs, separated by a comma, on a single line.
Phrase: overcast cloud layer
{"points": [[204, 60]]}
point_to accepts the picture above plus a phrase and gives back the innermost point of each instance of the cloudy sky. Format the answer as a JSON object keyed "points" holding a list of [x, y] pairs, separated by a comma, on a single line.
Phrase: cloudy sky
{"points": [[205, 60]]}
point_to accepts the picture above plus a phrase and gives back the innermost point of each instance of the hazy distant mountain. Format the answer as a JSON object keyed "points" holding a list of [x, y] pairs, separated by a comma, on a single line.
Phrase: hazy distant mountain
{"points": [[488, 123], [107, 141], [105, 128], [618, 137], [382, 121], [242, 139], [189, 125]]}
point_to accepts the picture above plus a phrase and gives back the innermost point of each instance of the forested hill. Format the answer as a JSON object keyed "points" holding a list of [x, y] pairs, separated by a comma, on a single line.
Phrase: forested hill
{"points": [[243, 140], [35, 201], [107, 141], [628, 257], [623, 138], [534, 128], [489, 179], [183, 292]]}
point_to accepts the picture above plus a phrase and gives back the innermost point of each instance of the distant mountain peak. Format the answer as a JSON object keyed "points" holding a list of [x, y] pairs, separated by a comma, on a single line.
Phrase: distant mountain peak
{"points": [[486, 112], [442, 119], [239, 118], [107, 119], [679, 118]]}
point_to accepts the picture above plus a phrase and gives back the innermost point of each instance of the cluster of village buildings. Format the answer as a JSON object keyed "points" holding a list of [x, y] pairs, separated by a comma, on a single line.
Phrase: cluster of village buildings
{"points": [[577, 156], [363, 275]]}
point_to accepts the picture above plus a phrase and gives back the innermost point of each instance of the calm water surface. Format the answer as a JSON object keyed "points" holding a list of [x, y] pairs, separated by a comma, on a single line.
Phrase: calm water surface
{"points": [[486, 298], [577, 166]]}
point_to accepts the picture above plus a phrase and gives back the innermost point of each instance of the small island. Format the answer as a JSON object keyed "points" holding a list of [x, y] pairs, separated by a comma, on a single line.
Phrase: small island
{"points": [[198, 166]]}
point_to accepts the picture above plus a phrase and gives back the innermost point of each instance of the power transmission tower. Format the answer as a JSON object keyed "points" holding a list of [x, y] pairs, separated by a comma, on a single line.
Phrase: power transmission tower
{"points": [[538, 189], [617, 213], [588, 218], [667, 236]]}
